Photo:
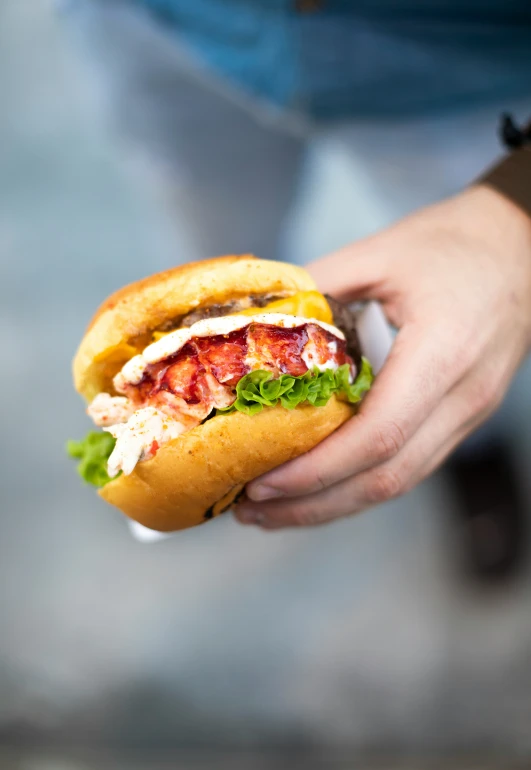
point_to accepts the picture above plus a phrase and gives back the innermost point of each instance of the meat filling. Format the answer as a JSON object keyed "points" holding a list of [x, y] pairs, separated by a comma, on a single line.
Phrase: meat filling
{"points": [[178, 393], [203, 374], [220, 310]]}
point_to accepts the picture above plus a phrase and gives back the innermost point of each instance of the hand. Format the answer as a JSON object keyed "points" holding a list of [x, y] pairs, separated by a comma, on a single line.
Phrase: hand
{"points": [[455, 279]]}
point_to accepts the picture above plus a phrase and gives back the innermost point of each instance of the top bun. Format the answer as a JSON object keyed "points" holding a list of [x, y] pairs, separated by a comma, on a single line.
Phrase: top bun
{"points": [[123, 324]]}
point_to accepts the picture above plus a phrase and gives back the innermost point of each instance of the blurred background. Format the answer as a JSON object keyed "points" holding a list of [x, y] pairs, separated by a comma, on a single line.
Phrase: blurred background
{"points": [[119, 156]]}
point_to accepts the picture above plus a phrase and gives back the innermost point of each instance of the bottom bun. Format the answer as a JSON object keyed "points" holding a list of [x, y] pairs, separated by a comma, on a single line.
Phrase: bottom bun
{"points": [[200, 474]]}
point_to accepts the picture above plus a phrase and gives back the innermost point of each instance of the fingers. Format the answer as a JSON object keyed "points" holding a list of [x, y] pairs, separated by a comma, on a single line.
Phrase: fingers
{"points": [[413, 381], [449, 424], [306, 511], [358, 271]]}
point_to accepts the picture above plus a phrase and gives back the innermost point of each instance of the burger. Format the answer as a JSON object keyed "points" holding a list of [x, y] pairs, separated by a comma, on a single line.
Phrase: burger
{"points": [[206, 376]]}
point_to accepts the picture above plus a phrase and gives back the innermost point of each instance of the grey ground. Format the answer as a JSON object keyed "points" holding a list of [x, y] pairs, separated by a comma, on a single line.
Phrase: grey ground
{"points": [[361, 634]]}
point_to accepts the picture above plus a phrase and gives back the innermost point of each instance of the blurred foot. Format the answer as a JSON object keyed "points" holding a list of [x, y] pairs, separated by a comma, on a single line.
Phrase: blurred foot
{"points": [[491, 511]]}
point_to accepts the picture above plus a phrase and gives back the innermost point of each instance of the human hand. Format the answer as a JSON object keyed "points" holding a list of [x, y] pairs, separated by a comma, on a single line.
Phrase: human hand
{"points": [[455, 279]]}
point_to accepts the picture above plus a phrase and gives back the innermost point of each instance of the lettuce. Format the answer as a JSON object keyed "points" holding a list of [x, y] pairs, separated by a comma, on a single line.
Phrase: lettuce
{"points": [[93, 452], [253, 392], [258, 389]]}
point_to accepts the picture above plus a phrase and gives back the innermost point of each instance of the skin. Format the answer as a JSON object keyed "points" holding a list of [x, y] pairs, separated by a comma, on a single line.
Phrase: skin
{"points": [[455, 279]]}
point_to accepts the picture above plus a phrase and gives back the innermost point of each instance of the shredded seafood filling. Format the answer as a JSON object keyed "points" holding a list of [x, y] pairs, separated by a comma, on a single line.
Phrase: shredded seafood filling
{"points": [[181, 379]]}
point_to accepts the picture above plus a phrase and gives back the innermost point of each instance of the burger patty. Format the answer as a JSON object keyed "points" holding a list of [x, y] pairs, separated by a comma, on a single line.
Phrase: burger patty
{"points": [[219, 310]]}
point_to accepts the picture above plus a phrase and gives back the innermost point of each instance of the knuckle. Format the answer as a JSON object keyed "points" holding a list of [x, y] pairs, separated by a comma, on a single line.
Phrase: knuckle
{"points": [[305, 515], [485, 396], [462, 355], [301, 476], [320, 480], [318, 472], [385, 484], [388, 440]]}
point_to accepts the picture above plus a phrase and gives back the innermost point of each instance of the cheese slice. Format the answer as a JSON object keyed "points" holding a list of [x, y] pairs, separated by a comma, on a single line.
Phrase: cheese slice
{"points": [[305, 304]]}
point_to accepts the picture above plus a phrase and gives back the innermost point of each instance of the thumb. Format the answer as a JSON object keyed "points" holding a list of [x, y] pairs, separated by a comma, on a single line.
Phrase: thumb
{"points": [[357, 271]]}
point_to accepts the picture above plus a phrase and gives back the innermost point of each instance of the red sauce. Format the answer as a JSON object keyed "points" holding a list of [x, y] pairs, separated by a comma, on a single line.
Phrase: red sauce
{"points": [[276, 349], [324, 344], [224, 355], [279, 348], [185, 375]]}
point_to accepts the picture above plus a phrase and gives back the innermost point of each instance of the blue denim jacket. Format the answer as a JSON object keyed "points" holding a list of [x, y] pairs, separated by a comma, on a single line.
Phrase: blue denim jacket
{"points": [[340, 58]]}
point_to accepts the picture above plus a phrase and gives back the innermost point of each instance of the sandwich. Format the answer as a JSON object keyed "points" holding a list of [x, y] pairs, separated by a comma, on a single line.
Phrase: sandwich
{"points": [[204, 377]]}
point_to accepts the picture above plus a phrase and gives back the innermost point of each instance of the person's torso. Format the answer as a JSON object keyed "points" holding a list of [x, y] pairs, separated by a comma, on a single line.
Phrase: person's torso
{"points": [[339, 58]]}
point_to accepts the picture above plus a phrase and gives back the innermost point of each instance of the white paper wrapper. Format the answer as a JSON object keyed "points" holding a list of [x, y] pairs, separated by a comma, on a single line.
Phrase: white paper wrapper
{"points": [[376, 339]]}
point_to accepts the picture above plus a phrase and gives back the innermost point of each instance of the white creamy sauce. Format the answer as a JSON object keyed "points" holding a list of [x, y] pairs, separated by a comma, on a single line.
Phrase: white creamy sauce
{"points": [[209, 327], [134, 439], [109, 410], [311, 358], [134, 369], [167, 345]]}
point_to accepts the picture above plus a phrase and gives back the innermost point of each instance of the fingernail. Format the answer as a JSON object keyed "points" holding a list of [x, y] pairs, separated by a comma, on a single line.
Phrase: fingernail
{"points": [[249, 515], [262, 492]]}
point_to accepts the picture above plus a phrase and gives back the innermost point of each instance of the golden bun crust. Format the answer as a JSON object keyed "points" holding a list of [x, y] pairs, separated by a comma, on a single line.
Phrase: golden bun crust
{"points": [[138, 309], [199, 474]]}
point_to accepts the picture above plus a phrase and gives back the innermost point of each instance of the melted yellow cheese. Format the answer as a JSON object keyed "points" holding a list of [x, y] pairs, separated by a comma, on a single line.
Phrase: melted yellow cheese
{"points": [[156, 336], [306, 304], [122, 352]]}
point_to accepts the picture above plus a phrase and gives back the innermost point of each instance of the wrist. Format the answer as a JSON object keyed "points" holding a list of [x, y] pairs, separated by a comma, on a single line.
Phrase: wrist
{"points": [[510, 220], [505, 230], [511, 174]]}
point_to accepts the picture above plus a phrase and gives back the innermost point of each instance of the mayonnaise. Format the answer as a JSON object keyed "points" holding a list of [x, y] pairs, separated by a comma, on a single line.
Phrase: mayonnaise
{"points": [[312, 359], [109, 410], [208, 327], [138, 439]]}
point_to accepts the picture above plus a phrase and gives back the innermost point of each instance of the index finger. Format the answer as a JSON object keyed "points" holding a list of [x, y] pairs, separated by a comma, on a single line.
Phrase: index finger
{"points": [[415, 377], [358, 271]]}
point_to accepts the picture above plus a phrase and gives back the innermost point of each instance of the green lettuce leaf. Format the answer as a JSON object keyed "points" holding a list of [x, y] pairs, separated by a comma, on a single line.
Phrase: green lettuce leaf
{"points": [[258, 389], [253, 392], [93, 452]]}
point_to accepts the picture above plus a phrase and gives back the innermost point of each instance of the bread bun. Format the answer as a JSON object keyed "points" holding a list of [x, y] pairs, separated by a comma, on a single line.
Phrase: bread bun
{"points": [[199, 474], [123, 324]]}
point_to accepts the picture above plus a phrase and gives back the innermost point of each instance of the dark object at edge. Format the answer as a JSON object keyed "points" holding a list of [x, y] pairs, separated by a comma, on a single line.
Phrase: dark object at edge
{"points": [[512, 136], [347, 320], [491, 510]]}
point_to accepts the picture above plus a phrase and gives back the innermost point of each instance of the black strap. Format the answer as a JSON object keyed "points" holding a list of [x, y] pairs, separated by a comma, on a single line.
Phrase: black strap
{"points": [[512, 136]]}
